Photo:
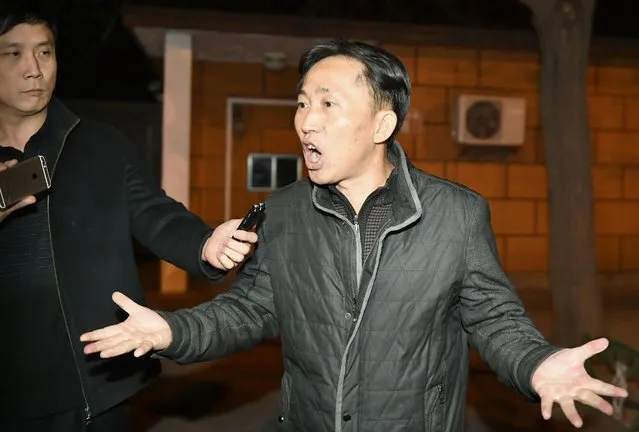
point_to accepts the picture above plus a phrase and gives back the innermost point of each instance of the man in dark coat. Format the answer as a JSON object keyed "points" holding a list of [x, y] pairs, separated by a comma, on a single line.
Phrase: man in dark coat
{"points": [[376, 275], [62, 255]]}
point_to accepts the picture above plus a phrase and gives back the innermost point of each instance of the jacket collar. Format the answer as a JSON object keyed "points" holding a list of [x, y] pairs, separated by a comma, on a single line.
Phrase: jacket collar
{"points": [[405, 205], [51, 137]]}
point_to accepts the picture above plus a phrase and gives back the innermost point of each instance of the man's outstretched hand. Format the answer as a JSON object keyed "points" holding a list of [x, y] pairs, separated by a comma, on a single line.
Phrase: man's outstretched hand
{"points": [[144, 330], [562, 379]]}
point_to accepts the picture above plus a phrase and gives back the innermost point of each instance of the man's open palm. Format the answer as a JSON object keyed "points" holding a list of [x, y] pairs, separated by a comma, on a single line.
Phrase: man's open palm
{"points": [[562, 379], [144, 330]]}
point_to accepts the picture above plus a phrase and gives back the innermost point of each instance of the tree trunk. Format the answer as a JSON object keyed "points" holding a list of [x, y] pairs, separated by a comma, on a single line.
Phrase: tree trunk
{"points": [[564, 29]]}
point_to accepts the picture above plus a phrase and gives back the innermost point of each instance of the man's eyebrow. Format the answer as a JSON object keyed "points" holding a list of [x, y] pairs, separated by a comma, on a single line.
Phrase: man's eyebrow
{"points": [[5, 45], [323, 90]]}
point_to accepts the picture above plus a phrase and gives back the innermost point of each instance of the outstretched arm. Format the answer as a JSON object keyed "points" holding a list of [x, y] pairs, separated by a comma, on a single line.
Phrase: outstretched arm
{"points": [[498, 326], [238, 319]]}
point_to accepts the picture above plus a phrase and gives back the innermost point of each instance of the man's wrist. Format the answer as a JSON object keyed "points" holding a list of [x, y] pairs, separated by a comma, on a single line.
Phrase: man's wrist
{"points": [[206, 244]]}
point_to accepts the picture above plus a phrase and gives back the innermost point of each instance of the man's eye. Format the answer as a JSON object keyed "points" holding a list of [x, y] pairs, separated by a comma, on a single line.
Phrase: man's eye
{"points": [[301, 105], [328, 104], [12, 54]]}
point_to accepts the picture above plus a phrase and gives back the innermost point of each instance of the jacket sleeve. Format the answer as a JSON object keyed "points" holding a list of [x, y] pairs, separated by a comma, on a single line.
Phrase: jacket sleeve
{"points": [[493, 314], [161, 224], [238, 319]]}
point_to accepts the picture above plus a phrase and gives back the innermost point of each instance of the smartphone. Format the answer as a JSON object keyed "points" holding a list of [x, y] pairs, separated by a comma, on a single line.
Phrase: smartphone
{"points": [[29, 177], [252, 218]]}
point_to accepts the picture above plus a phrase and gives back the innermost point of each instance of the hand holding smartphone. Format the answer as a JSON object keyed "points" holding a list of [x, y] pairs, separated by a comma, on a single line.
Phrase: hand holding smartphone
{"points": [[22, 180], [252, 218]]}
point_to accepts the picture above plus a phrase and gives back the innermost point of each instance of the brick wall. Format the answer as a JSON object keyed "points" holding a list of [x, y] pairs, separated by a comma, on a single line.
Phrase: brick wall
{"points": [[513, 182]]}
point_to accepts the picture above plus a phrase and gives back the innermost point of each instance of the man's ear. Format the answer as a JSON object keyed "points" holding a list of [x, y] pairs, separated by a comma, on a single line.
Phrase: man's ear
{"points": [[386, 122]]}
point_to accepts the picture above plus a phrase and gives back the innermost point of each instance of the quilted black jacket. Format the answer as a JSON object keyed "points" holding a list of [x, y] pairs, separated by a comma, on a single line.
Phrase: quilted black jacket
{"points": [[396, 359]]}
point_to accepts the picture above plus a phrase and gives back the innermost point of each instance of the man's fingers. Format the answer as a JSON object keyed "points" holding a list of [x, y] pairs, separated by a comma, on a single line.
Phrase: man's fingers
{"points": [[8, 164], [122, 348], [128, 305], [234, 256], [102, 333], [245, 236], [144, 348], [238, 246], [546, 408], [595, 401], [226, 262], [592, 348], [568, 407], [104, 344], [605, 389], [25, 202]]}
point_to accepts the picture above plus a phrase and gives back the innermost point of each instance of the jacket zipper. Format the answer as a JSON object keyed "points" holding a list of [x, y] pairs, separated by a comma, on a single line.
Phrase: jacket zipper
{"points": [[87, 408], [358, 265]]}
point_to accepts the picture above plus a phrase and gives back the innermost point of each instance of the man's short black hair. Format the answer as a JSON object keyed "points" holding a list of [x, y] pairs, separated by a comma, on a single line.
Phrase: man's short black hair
{"points": [[16, 12], [386, 74]]}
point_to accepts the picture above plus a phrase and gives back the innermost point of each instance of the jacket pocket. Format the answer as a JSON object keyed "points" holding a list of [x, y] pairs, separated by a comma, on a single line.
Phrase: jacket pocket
{"points": [[285, 402], [434, 404]]}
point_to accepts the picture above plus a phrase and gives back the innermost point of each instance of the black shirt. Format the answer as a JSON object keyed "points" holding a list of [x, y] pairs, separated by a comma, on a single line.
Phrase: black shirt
{"points": [[28, 284], [374, 215]]}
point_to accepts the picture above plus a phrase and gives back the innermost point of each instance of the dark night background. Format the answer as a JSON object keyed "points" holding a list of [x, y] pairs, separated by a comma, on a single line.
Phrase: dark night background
{"points": [[99, 57]]}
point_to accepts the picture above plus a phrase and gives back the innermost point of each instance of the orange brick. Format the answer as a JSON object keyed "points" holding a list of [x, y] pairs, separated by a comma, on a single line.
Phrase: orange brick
{"points": [[447, 66], [436, 143], [526, 254], [207, 140], [606, 181], [606, 111], [608, 251], [282, 83], [234, 79], [430, 104], [209, 108], [212, 204], [532, 99], [195, 201], [196, 77], [509, 69], [630, 253], [407, 141], [407, 55], [250, 141], [631, 113], [526, 181], [617, 217], [541, 226], [631, 183], [434, 168], [207, 172], [281, 141], [513, 216], [591, 79], [196, 137], [617, 80], [257, 117], [526, 153], [487, 179], [614, 147]]}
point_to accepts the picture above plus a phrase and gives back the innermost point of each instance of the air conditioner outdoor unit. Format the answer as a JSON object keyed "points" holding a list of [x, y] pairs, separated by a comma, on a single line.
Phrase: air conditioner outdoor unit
{"points": [[489, 120]]}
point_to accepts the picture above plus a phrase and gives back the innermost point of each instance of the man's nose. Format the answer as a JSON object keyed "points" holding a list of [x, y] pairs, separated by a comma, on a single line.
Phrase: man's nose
{"points": [[32, 67], [310, 122]]}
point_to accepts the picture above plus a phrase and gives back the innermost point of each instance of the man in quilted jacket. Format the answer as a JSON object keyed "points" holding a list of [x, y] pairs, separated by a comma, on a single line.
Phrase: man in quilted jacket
{"points": [[376, 275]]}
